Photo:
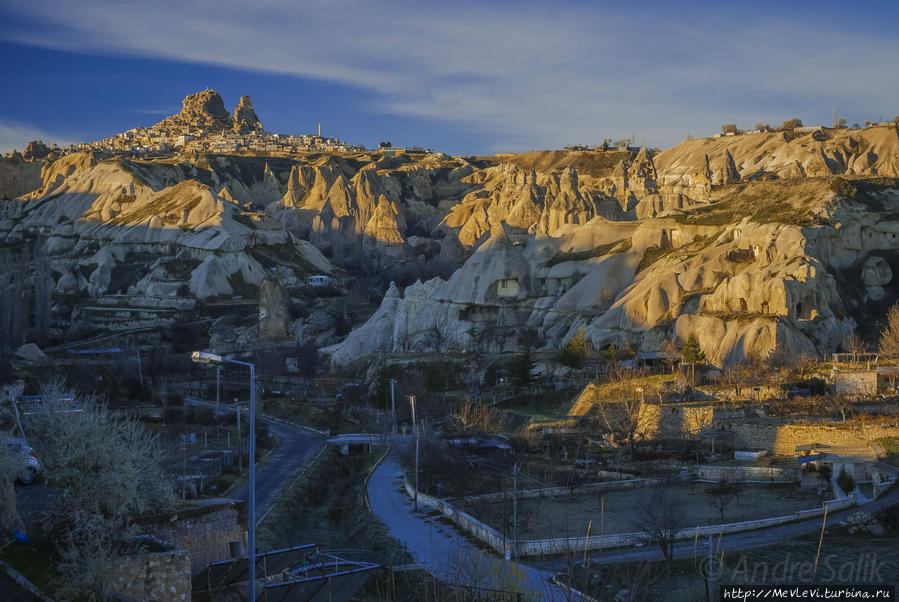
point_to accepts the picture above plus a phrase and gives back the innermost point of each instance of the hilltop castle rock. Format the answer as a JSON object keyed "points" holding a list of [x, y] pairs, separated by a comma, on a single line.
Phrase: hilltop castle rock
{"points": [[201, 111]]}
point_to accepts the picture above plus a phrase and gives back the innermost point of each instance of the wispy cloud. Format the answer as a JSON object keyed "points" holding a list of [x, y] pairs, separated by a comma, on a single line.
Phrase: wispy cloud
{"points": [[164, 111], [530, 75], [15, 135]]}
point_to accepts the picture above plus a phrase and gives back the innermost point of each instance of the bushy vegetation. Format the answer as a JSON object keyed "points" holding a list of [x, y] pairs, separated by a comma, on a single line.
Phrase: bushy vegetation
{"points": [[105, 471], [652, 254], [842, 187]]}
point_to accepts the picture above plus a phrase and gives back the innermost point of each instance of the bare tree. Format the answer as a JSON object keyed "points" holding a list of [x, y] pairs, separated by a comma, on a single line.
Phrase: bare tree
{"points": [[843, 405], [889, 337], [854, 344], [722, 494], [660, 517], [9, 514], [471, 416], [670, 353], [437, 338], [621, 410], [805, 365]]}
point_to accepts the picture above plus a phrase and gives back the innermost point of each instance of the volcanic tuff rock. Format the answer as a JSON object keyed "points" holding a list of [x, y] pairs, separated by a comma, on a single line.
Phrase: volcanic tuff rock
{"points": [[747, 242], [747, 268], [203, 110], [101, 214], [245, 119]]}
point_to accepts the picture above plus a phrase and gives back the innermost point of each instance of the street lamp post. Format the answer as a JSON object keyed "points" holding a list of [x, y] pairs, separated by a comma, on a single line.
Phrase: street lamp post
{"points": [[417, 443], [204, 357]]}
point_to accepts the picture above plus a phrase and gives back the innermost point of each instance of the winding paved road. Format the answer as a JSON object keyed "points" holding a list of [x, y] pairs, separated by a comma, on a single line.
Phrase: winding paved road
{"points": [[298, 445], [445, 553], [440, 549]]}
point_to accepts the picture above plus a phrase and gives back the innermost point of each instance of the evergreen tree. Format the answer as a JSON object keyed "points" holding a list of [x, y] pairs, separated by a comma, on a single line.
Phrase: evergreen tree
{"points": [[574, 351], [692, 354]]}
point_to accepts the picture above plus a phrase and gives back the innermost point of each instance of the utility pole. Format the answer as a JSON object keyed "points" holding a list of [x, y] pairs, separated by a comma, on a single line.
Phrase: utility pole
{"points": [[239, 441], [251, 531], [393, 405]]}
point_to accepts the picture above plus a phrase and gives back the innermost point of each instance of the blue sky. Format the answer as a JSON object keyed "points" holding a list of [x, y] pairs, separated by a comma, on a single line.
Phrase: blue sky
{"points": [[462, 77]]}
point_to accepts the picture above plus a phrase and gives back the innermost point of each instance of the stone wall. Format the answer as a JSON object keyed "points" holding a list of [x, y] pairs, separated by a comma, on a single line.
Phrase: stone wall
{"points": [[205, 531], [855, 382], [673, 420], [153, 576], [780, 438]]}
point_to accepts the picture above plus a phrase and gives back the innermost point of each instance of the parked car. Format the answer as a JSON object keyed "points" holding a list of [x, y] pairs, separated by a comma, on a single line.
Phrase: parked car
{"points": [[25, 462]]}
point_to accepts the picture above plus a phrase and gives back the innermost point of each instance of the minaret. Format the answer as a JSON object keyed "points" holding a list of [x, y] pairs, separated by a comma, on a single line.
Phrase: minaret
{"points": [[319, 129]]}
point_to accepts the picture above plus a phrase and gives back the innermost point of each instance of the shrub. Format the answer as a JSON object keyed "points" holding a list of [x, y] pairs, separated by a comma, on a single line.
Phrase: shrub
{"points": [[792, 123], [842, 187], [651, 255]]}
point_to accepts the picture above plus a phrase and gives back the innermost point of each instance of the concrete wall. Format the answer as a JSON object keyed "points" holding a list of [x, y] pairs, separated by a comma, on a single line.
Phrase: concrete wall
{"points": [[153, 575], [538, 547], [559, 545], [463, 520], [204, 531], [749, 473]]}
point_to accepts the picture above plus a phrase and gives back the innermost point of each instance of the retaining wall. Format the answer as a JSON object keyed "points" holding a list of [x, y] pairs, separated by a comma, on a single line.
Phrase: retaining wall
{"points": [[204, 531], [153, 575], [782, 439]]}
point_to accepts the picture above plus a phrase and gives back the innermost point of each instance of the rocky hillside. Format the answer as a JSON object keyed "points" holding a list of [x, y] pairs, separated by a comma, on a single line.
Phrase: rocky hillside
{"points": [[752, 243], [720, 239]]}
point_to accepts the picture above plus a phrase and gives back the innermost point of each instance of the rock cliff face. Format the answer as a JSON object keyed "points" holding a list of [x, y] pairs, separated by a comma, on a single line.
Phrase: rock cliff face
{"points": [[178, 235], [245, 119], [203, 110], [704, 247]]}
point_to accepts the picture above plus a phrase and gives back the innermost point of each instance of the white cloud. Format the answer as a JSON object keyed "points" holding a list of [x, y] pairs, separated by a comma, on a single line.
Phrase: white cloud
{"points": [[529, 76], [14, 135], [162, 111]]}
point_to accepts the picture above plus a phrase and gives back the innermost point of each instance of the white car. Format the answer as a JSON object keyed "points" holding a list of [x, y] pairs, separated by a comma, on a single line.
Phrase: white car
{"points": [[26, 464]]}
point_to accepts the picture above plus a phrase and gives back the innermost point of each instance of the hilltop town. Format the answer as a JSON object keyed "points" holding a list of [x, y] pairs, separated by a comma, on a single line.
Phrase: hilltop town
{"points": [[202, 125]]}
